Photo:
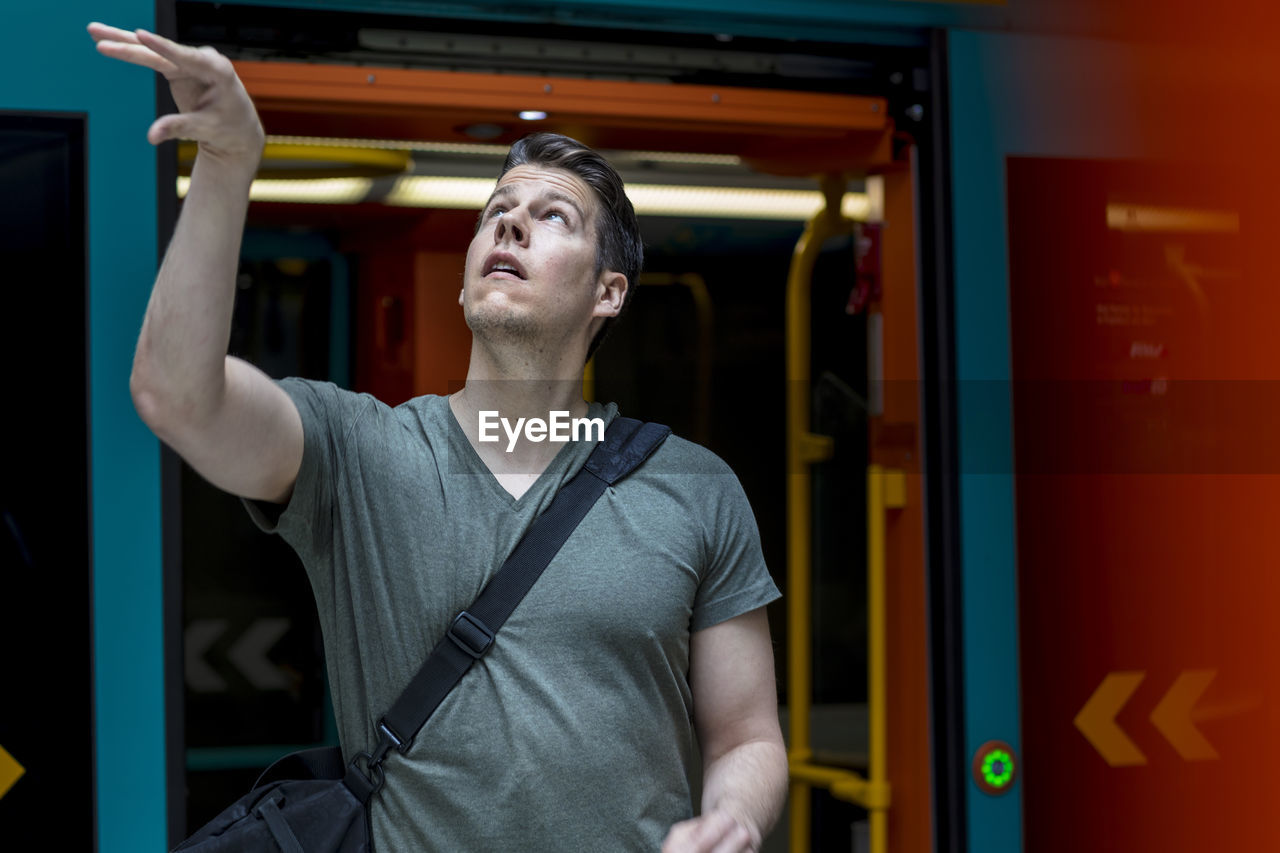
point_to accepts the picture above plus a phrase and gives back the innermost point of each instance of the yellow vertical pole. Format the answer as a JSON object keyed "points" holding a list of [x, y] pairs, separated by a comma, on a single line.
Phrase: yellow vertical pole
{"points": [[886, 489], [798, 587], [876, 659], [799, 685], [803, 448]]}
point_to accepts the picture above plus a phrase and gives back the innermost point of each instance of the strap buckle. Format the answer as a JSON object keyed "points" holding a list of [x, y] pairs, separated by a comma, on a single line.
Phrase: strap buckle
{"points": [[387, 739], [373, 775], [365, 781], [471, 635]]}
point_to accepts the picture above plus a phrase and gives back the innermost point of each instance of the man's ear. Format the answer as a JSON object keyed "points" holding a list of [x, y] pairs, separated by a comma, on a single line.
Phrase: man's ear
{"points": [[612, 294], [460, 292]]}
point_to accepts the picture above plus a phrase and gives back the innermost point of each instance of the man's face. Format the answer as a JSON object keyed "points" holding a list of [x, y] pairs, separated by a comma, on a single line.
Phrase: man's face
{"points": [[531, 267]]}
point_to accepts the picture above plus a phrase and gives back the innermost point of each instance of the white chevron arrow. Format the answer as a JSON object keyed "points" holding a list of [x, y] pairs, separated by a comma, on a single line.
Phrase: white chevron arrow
{"points": [[1175, 714], [200, 635], [1097, 719], [249, 654]]}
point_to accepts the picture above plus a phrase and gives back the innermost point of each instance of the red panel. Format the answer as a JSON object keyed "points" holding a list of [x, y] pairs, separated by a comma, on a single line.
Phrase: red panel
{"points": [[411, 337], [442, 337], [1146, 490], [384, 326]]}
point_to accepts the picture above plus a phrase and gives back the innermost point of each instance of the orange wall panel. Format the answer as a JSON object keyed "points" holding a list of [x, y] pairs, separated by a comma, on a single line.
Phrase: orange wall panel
{"points": [[895, 443], [384, 330], [442, 339]]}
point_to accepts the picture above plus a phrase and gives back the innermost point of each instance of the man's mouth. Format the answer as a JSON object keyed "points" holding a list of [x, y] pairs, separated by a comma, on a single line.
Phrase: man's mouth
{"points": [[504, 265]]}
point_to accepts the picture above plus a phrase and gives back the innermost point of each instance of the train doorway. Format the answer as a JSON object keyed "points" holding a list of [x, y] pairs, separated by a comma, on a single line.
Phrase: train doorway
{"points": [[360, 289]]}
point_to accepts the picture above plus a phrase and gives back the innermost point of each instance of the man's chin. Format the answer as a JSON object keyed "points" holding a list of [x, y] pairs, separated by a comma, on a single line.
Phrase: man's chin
{"points": [[501, 327]]}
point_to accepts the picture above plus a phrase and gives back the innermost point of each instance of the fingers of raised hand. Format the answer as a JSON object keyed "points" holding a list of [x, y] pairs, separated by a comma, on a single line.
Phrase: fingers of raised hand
{"points": [[200, 63], [148, 49], [172, 126], [100, 31], [187, 58], [126, 46]]}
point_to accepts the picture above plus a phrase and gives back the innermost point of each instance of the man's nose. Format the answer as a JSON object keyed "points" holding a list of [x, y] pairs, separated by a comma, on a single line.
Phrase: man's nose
{"points": [[511, 226]]}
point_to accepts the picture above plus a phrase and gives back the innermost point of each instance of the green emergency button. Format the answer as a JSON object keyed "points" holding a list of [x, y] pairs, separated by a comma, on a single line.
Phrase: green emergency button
{"points": [[994, 767], [997, 768]]}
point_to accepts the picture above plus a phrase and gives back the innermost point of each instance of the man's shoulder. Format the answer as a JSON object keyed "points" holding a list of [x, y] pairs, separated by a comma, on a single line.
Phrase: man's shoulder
{"points": [[325, 403], [425, 406], [678, 455], [329, 389], [427, 416], [323, 392]]}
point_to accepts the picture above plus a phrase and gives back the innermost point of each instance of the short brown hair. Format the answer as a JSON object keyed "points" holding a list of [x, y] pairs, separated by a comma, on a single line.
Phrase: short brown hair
{"points": [[618, 244]]}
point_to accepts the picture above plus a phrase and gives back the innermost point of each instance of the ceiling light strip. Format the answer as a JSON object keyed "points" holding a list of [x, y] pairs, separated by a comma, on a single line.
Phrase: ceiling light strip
{"points": [[317, 191], [648, 199], [430, 191], [737, 202]]}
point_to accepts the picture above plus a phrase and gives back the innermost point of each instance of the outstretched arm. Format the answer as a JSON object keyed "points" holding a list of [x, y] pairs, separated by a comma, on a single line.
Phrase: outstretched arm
{"points": [[225, 417], [735, 708]]}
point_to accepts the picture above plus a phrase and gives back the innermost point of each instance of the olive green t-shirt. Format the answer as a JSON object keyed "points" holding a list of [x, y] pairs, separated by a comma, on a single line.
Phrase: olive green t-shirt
{"points": [[575, 731]]}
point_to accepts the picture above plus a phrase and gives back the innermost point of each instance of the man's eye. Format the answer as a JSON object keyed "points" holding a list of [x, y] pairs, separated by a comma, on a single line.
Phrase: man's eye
{"points": [[557, 214], [496, 212]]}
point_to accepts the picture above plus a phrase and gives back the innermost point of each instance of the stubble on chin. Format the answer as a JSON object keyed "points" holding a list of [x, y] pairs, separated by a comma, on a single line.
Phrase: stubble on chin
{"points": [[495, 326]]}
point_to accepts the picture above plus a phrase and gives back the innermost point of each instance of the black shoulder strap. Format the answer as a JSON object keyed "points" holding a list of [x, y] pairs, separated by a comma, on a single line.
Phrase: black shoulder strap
{"points": [[627, 443]]}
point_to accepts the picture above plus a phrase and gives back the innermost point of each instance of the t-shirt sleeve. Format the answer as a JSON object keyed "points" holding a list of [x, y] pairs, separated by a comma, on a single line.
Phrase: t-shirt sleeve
{"points": [[735, 579], [328, 414]]}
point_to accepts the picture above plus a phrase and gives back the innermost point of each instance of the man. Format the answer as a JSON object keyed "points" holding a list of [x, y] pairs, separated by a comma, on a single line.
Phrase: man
{"points": [[577, 730]]}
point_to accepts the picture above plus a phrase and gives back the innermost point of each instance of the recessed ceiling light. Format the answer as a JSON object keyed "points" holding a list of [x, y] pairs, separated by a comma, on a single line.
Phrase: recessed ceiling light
{"points": [[532, 115]]}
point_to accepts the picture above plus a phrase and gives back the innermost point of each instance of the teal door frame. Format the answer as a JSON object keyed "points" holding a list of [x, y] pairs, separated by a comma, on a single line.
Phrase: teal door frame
{"points": [[1010, 95], [54, 68]]}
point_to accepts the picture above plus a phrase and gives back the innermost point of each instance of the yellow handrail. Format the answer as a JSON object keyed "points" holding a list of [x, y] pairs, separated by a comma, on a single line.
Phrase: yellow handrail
{"points": [[804, 448], [886, 488]]}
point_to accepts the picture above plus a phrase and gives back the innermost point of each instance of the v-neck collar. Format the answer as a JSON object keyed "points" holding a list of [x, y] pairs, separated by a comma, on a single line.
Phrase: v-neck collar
{"points": [[565, 463]]}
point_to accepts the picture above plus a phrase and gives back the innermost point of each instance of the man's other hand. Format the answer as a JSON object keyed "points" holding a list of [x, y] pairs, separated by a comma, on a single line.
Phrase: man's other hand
{"points": [[714, 832], [214, 108]]}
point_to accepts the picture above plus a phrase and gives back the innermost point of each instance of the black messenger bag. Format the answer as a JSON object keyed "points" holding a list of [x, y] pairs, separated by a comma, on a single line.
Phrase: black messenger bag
{"points": [[314, 802]]}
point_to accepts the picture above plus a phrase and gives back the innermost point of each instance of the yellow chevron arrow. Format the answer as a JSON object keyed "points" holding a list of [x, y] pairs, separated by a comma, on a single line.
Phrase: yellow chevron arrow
{"points": [[1097, 719], [10, 771], [1173, 715]]}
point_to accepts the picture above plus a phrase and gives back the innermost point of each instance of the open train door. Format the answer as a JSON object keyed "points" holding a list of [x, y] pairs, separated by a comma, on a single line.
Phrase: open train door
{"points": [[389, 127]]}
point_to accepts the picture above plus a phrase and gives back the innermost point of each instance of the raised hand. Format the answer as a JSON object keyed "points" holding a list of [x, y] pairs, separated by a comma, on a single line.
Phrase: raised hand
{"points": [[214, 108]]}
